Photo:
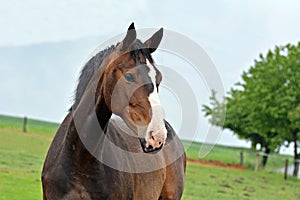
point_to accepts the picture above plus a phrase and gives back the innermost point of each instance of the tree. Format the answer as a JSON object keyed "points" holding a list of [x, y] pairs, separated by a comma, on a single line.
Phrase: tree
{"points": [[267, 102], [274, 83], [237, 119]]}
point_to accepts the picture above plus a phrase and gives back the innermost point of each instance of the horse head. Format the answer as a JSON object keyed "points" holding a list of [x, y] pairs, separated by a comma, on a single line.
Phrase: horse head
{"points": [[129, 87]]}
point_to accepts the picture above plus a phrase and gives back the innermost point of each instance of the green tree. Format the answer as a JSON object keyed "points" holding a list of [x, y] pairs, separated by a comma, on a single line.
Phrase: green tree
{"points": [[267, 103], [237, 119]]}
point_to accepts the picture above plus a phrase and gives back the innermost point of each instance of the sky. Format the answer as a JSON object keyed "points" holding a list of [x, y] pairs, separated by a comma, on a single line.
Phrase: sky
{"points": [[43, 44]]}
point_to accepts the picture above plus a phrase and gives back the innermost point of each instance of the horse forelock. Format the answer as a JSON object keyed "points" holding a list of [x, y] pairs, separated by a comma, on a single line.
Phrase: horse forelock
{"points": [[139, 48]]}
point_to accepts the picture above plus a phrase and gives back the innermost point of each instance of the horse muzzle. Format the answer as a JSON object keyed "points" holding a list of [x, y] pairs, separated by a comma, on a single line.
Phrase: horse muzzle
{"points": [[149, 148]]}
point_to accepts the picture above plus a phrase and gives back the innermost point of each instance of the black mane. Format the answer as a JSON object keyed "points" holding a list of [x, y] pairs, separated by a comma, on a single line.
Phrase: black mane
{"points": [[94, 63], [88, 71]]}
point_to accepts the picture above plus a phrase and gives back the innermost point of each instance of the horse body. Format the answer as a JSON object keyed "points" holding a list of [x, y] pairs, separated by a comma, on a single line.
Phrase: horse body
{"points": [[71, 172], [84, 163]]}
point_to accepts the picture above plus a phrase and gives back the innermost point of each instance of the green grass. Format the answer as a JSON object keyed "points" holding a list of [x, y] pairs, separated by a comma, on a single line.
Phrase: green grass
{"points": [[203, 182], [231, 155], [33, 126], [22, 156]]}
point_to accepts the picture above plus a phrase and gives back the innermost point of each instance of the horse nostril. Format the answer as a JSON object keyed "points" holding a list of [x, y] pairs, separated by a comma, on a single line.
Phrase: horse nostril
{"points": [[159, 143], [150, 147], [152, 138]]}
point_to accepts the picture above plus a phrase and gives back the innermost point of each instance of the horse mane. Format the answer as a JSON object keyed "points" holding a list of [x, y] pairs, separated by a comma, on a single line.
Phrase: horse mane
{"points": [[88, 71], [95, 62]]}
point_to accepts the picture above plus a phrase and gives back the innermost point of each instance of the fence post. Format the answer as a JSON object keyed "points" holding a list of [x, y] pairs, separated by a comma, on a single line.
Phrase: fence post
{"points": [[256, 162], [241, 158], [25, 125], [286, 168]]}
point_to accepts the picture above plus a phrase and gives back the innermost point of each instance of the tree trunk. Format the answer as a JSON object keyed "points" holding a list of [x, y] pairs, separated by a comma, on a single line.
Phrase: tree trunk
{"points": [[265, 156], [296, 155], [253, 147]]}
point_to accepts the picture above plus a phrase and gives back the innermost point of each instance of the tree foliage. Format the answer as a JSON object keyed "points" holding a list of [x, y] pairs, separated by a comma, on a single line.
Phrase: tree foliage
{"points": [[265, 106]]}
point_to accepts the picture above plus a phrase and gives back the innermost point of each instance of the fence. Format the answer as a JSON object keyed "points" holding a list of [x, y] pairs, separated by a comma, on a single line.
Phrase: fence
{"points": [[25, 121], [286, 170]]}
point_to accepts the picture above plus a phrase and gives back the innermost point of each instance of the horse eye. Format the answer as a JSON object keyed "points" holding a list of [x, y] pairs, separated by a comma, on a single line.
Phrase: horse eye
{"points": [[130, 77]]}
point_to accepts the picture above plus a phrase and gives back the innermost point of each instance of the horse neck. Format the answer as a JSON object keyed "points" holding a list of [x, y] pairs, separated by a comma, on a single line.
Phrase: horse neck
{"points": [[101, 109], [79, 146], [93, 102], [92, 111], [103, 113]]}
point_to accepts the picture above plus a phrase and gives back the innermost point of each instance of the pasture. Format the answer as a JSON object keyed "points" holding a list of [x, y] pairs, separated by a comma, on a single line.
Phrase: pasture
{"points": [[22, 156]]}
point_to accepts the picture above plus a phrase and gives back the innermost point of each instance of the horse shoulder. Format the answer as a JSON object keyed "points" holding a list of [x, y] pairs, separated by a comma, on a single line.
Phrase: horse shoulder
{"points": [[53, 176], [175, 170]]}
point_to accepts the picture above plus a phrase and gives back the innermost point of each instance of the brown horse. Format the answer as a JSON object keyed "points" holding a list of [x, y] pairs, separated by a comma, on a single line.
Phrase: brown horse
{"points": [[134, 155]]}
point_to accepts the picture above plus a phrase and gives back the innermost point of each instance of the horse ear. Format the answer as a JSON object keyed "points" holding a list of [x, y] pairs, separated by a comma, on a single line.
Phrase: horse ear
{"points": [[153, 42], [129, 38]]}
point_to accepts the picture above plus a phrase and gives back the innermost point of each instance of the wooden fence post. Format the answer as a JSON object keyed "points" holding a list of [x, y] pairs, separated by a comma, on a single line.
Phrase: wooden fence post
{"points": [[256, 162], [25, 125], [286, 168], [241, 158]]}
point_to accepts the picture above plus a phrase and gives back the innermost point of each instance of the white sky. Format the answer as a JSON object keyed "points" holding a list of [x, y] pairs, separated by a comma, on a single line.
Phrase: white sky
{"points": [[233, 33], [32, 21]]}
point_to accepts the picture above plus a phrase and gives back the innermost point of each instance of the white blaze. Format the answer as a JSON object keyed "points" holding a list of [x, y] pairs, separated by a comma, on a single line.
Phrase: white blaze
{"points": [[156, 125]]}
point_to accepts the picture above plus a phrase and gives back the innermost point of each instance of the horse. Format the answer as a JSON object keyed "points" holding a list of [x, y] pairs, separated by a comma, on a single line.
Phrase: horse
{"points": [[114, 142]]}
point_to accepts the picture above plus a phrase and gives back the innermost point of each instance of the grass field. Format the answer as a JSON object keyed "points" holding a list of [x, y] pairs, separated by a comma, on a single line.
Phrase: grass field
{"points": [[22, 156]]}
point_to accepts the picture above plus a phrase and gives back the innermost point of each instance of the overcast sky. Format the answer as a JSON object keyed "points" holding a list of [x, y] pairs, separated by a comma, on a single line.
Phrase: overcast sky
{"points": [[37, 35]]}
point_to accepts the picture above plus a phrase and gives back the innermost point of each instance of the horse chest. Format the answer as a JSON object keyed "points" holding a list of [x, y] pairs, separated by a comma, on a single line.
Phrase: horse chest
{"points": [[149, 185], [112, 184], [78, 192], [123, 185]]}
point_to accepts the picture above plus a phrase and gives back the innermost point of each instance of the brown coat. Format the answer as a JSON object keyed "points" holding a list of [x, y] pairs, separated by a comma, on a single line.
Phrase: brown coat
{"points": [[71, 172]]}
